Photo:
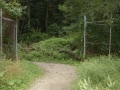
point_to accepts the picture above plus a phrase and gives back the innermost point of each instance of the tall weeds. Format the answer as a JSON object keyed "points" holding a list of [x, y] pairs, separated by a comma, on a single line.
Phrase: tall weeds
{"points": [[99, 73], [16, 75], [12, 69]]}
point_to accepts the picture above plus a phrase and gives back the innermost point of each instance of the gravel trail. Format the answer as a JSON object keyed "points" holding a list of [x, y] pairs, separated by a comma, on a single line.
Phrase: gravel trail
{"points": [[57, 77]]}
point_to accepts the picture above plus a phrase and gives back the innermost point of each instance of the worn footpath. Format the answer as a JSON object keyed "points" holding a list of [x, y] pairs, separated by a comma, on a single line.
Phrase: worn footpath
{"points": [[57, 77]]}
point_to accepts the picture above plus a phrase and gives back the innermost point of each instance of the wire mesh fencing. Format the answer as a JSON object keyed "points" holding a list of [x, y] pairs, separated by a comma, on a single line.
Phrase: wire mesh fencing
{"points": [[8, 37]]}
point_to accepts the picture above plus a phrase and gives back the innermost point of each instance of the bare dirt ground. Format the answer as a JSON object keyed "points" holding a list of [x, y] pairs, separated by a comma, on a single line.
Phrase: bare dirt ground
{"points": [[57, 77]]}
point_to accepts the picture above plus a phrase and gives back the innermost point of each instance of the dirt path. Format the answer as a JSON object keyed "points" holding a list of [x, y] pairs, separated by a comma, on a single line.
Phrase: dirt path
{"points": [[57, 77]]}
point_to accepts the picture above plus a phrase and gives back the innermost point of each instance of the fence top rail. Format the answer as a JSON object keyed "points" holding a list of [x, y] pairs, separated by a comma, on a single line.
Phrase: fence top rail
{"points": [[98, 43], [97, 21], [8, 19], [94, 23]]}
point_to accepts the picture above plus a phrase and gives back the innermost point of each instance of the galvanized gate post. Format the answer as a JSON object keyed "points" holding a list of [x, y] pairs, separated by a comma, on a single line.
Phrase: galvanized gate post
{"points": [[110, 40], [0, 30], [16, 37], [85, 24]]}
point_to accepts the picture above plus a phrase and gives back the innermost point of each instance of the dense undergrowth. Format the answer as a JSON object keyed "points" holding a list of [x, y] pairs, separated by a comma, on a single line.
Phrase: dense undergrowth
{"points": [[17, 75], [99, 73], [49, 51]]}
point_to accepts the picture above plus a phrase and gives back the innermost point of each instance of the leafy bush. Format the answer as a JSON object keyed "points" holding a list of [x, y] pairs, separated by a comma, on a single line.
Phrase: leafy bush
{"points": [[33, 37], [55, 30], [49, 50]]}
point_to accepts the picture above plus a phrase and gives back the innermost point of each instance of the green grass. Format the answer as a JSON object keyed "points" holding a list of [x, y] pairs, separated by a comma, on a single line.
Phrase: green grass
{"points": [[98, 73], [30, 73], [18, 75]]}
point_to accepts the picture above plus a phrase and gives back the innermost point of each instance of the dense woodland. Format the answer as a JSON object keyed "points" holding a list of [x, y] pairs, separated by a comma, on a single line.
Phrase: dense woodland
{"points": [[39, 20], [52, 31], [60, 18]]}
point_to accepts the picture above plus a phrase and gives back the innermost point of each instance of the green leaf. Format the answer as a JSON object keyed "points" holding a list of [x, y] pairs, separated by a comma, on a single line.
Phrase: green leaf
{"points": [[2, 74], [11, 82]]}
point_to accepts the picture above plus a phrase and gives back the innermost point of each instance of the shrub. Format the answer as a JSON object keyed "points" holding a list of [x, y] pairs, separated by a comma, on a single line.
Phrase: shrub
{"points": [[55, 30], [48, 50], [33, 37]]}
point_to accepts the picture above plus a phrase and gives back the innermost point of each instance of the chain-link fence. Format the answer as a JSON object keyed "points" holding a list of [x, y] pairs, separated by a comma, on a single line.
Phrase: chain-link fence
{"points": [[97, 37], [8, 37]]}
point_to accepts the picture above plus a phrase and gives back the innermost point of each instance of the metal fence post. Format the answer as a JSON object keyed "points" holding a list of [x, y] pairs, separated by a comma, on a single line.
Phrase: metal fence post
{"points": [[16, 48], [110, 39], [0, 30], [85, 24]]}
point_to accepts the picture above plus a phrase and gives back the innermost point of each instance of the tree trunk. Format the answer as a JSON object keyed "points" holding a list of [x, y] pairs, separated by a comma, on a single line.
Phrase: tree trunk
{"points": [[28, 7], [47, 17]]}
